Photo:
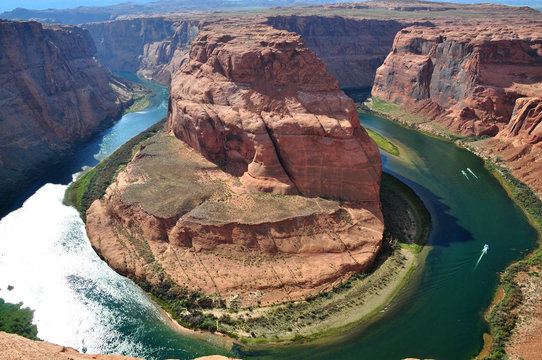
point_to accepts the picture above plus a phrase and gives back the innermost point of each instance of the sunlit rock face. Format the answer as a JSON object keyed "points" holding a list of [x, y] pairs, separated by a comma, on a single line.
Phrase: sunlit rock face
{"points": [[264, 189], [257, 99]]}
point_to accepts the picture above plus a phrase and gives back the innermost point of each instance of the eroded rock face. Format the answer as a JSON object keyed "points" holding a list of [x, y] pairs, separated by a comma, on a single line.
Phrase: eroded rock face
{"points": [[154, 47], [226, 210], [173, 215], [352, 49], [258, 100], [15, 347], [53, 93], [474, 81], [465, 78]]}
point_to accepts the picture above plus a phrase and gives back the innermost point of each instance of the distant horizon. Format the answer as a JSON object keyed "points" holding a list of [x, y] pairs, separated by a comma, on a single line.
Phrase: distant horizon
{"points": [[10, 5], [60, 4]]}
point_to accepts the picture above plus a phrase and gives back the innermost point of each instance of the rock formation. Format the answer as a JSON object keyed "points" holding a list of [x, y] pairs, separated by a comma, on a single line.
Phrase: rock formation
{"points": [[266, 106], [15, 347], [352, 49], [482, 80], [154, 47], [258, 104], [53, 94], [465, 78]]}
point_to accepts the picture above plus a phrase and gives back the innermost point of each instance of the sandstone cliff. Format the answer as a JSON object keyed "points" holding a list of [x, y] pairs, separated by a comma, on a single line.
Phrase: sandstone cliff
{"points": [[154, 47], [53, 93], [15, 347], [352, 49], [258, 104], [465, 78], [266, 106], [482, 80]]}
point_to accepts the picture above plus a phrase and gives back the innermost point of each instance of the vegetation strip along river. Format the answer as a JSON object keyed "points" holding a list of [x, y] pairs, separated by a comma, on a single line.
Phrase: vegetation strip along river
{"points": [[80, 302]]}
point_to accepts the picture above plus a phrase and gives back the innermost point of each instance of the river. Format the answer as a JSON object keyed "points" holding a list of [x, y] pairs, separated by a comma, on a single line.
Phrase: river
{"points": [[78, 301]]}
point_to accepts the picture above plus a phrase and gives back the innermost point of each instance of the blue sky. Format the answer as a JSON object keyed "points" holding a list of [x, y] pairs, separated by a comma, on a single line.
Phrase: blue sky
{"points": [[6, 5]]}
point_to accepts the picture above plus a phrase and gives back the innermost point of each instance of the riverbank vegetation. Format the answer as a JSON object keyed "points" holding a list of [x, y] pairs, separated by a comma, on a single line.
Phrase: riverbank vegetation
{"points": [[504, 313], [138, 105], [383, 143], [16, 319], [503, 316], [92, 185], [342, 307], [325, 314]]}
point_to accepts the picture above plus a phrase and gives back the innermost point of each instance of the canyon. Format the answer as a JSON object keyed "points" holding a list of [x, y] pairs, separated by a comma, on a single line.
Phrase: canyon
{"points": [[473, 81], [263, 188], [54, 94]]}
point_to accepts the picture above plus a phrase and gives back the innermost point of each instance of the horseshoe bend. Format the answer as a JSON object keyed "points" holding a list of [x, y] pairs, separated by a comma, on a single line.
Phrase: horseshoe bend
{"points": [[261, 189]]}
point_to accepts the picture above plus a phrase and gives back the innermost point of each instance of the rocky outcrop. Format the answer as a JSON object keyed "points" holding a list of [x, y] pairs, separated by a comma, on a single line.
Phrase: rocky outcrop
{"points": [[262, 103], [53, 93], [525, 125], [272, 125], [482, 80], [15, 347], [467, 79], [154, 47], [352, 49]]}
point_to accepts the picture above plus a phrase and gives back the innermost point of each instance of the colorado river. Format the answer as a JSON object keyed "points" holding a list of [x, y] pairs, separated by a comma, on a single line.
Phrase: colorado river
{"points": [[80, 302]]}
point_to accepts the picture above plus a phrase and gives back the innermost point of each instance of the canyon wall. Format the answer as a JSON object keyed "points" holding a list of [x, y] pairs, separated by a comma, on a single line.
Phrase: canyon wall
{"points": [[154, 47], [235, 209], [53, 93], [480, 80], [352, 49]]}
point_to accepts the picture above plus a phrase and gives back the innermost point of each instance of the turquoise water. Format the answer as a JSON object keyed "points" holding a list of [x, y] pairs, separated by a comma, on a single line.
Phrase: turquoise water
{"points": [[439, 315], [80, 302]]}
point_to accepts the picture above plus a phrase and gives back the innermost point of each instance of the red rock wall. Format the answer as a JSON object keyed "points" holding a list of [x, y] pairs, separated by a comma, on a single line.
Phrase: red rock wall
{"points": [[53, 94], [154, 47], [466, 78], [352, 49], [257, 100]]}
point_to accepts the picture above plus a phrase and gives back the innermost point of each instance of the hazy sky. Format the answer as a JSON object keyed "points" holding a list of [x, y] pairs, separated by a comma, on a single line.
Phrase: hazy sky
{"points": [[6, 5]]}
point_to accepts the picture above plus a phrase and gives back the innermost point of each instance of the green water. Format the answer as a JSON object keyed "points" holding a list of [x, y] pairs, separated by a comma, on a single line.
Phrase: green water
{"points": [[80, 302], [439, 315]]}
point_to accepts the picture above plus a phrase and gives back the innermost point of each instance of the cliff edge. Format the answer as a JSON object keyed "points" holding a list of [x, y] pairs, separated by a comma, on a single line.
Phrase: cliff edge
{"points": [[15, 347], [53, 94], [473, 81]]}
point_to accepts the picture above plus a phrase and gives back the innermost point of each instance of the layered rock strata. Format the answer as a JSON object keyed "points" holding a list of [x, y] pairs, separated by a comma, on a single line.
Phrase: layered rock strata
{"points": [[271, 123], [465, 78], [352, 49], [266, 106], [154, 47], [15, 347], [53, 93], [473, 81]]}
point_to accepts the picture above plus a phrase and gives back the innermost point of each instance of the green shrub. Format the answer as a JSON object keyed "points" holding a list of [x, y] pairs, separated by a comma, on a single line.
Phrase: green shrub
{"points": [[92, 185], [17, 320]]}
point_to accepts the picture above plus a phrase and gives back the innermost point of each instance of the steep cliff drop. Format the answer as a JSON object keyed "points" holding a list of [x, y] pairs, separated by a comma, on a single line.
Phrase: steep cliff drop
{"points": [[15, 347], [238, 223], [352, 49], [482, 80], [154, 47], [53, 93]]}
